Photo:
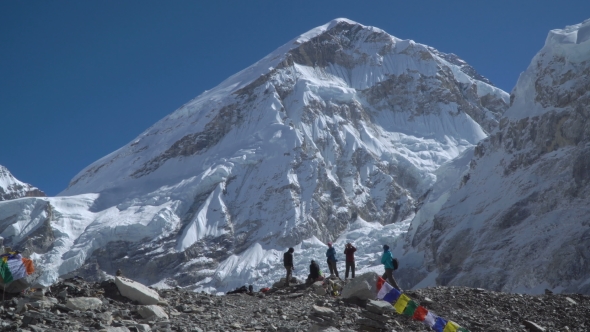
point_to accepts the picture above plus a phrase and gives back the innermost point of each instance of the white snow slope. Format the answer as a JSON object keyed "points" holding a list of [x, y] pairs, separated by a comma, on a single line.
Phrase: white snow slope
{"points": [[516, 217], [11, 187], [334, 136]]}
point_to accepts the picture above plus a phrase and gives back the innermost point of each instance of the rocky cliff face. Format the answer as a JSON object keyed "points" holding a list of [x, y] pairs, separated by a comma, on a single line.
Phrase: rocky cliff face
{"points": [[11, 188], [518, 217], [342, 123]]}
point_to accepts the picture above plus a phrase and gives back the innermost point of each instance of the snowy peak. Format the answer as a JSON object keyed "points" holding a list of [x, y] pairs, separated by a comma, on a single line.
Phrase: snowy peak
{"points": [[346, 62], [345, 125], [11, 188], [557, 77], [573, 34], [515, 216]]}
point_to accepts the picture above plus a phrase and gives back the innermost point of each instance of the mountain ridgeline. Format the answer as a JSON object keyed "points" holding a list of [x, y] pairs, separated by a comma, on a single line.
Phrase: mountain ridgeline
{"points": [[12, 188], [517, 218], [343, 130]]}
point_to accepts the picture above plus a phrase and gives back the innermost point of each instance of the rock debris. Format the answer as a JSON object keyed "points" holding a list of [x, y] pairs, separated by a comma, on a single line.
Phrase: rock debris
{"points": [[77, 305]]}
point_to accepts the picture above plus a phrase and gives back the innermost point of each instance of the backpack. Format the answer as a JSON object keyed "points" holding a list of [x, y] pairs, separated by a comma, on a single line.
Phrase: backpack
{"points": [[395, 263]]}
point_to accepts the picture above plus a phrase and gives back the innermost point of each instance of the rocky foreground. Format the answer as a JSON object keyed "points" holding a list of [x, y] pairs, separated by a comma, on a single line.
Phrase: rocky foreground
{"points": [[76, 305]]}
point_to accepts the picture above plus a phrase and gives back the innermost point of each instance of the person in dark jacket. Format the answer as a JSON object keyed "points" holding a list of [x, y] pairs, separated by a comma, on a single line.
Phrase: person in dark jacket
{"points": [[349, 250], [314, 272], [387, 261], [331, 254], [288, 263]]}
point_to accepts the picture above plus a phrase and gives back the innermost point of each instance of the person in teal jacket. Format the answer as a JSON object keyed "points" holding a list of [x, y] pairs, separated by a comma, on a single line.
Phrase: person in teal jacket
{"points": [[331, 254], [387, 261]]}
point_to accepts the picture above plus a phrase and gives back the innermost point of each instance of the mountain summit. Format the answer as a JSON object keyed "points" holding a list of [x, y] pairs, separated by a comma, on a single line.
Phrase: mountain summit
{"points": [[11, 187], [344, 124]]}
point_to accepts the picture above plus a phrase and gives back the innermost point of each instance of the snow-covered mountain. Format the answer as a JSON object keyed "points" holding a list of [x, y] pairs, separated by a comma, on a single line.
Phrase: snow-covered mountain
{"points": [[516, 215], [11, 187], [334, 136]]}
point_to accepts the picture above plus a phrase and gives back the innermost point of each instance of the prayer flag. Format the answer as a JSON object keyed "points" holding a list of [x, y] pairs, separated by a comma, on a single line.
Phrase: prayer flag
{"points": [[411, 308], [401, 303], [430, 319], [384, 290], [420, 313], [392, 296], [451, 327], [406, 306], [440, 324], [14, 266], [380, 282]]}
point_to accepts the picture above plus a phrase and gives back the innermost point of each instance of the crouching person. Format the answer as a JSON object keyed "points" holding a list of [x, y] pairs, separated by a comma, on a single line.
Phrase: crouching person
{"points": [[315, 274]]}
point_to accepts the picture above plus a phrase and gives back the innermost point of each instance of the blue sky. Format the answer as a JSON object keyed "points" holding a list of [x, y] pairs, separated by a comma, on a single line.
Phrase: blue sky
{"points": [[79, 79]]}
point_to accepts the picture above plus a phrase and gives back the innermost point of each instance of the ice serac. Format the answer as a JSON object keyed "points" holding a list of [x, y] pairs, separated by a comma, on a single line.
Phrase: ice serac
{"points": [[517, 216], [11, 187], [344, 123]]}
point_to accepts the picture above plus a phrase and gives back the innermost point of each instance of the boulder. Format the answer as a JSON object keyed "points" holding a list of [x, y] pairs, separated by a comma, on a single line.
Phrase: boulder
{"points": [[15, 286], [135, 291], [143, 328], [105, 317], [84, 303], [335, 284], [323, 316], [363, 287], [318, 288], [283, 282], [322, 311], [379, 307], [152, 311], [43, 304], [320, 328], [116, 329], [320, 291], [280, 284]]}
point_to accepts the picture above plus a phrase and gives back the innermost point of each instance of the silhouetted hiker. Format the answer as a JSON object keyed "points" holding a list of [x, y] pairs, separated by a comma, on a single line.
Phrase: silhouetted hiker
{"points": [[288, 263]]}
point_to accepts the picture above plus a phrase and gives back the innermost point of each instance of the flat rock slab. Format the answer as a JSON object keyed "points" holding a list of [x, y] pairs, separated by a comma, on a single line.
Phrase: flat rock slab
{"points": [[143, 328], [323, 311], [152, 311], [532, 326], [379, 307], [320, 328], [133, 290], [43, 304], [116, 329], [84, 303]]}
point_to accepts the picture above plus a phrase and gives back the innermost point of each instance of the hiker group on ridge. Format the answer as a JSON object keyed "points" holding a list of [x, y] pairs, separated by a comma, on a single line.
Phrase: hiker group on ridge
{"points": [[315, 273]]}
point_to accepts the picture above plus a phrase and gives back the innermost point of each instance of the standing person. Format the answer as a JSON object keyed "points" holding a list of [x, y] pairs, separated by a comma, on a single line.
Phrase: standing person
{"points": [[331, 254], [288, 263], [387, 261], [349, 250]]}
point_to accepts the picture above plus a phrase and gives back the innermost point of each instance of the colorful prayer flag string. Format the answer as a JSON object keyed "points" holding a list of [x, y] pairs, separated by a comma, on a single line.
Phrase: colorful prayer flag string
{"points": [[13, 266], [403, 304]]}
